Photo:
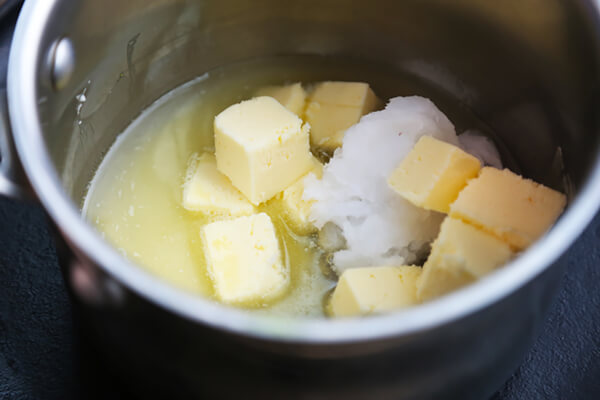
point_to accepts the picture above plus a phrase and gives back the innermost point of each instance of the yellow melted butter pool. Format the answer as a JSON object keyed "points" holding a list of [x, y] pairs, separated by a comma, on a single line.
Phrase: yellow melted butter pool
{"points": [[135, 197]]}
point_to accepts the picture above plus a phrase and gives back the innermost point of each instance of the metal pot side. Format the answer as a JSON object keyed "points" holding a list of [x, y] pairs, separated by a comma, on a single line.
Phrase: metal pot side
{"points": [[529, 69]]}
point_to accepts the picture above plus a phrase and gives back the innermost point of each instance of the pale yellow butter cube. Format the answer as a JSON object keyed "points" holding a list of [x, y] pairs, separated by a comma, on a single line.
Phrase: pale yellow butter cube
{"points": [[209, 191], [370, 290], [433, 173], [295, 208], [262, 147], [292, 97], [333, 107], [244, 261], [347, 94], [514, 209], [459, 255]]}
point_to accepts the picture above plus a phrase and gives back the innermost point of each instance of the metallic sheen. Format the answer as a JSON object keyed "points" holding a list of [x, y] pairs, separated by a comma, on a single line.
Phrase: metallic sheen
{"points": [[529, 69], [61, 63], [12, 181]]}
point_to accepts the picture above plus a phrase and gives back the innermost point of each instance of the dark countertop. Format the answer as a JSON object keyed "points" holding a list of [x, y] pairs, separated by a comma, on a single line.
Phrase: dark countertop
{"points": [[43, 354]]}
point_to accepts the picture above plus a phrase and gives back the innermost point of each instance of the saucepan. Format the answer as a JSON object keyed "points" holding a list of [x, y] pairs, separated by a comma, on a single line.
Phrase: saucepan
{"points": [[81, 71]]}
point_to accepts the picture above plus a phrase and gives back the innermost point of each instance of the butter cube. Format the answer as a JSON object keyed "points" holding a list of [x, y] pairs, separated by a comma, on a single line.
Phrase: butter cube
{"points": [[459, 255], [512, 208], [295, 208], [433, 173], [374, 290], [333, 107], [262, 147], [209, 191], [344, 94], [292, 97], [243, 259]]}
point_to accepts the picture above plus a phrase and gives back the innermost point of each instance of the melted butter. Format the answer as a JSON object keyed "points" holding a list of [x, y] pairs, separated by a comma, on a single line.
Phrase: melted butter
{"points": [[135, 197]]}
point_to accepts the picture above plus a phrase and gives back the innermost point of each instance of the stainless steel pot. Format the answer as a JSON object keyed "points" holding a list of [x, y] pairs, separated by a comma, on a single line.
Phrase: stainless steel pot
{"points": [[80, 71]]}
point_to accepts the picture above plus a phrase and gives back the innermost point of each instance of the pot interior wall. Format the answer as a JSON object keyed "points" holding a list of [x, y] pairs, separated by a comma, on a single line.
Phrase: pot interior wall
{"points": [[527, 69]]}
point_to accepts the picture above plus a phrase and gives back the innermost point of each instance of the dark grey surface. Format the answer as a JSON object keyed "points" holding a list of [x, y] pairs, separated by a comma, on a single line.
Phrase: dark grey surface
{"points": [[36, 329], [43, 354]]}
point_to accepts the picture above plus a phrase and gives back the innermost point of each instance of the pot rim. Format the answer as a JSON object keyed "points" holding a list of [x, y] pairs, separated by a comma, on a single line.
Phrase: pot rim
{"points": [[25, 56]]}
